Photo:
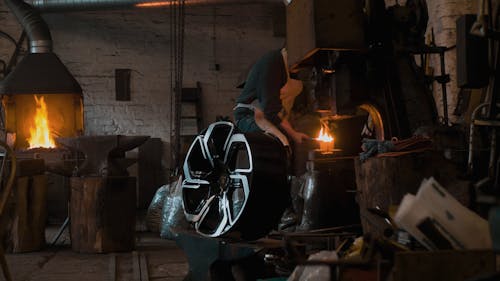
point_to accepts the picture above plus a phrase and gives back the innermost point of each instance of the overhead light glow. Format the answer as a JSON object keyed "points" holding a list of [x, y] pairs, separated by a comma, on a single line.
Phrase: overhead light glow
{"points": [[154, 4]]}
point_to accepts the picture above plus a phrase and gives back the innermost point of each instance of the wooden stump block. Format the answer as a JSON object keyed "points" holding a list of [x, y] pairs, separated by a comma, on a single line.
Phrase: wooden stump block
{"points": [[28, 214], [102, 214], [383, 181], [150, 172], [23, 224]]}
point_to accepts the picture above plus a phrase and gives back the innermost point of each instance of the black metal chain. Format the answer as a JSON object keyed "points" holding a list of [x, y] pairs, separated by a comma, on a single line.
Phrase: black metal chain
{"points": [[172, 132], [177, 15]]}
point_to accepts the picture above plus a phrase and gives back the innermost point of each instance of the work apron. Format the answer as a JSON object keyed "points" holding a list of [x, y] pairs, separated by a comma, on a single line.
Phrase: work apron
{"points": [[288, 93], [265, 125]]}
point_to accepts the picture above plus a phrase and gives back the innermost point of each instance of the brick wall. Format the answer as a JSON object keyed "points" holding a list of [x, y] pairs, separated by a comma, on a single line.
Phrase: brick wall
{"points": [[94, 44], [442, 18], [9, 25]]}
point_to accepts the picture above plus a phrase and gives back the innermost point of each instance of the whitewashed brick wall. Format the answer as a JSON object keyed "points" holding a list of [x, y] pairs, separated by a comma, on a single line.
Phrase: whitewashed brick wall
{"points": [[94, 44], [9, 25], [442, 18]]}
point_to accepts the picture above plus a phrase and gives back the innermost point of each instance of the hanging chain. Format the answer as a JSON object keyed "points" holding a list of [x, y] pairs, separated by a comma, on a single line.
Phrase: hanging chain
{"points": [[171, 49], [177, 15]]}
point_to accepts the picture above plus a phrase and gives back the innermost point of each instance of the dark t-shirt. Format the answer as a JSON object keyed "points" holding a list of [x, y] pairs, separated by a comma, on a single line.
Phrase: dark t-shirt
{"points": [[263, 83]]}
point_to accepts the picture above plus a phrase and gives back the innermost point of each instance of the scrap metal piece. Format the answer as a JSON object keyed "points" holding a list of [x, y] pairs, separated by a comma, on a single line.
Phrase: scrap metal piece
{"points": [[233, 180]]}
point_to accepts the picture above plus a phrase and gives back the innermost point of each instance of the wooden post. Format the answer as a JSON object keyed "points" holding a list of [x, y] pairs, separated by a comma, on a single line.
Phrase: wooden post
{"points": [[102, 214], [150, 173], [27, 211], [30, 214]]}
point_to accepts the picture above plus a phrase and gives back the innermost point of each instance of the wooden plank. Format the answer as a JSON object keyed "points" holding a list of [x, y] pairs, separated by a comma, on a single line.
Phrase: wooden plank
{"points": [[38, 210], [29, 215], [136, 266], [144, 267], [442, 265], [20, 215], [122, 84], [112, 267]]}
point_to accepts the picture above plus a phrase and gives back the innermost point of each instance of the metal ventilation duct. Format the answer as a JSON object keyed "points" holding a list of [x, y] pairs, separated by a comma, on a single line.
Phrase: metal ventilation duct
{"points": [[92, 5], [40, 71], [33, 24]]}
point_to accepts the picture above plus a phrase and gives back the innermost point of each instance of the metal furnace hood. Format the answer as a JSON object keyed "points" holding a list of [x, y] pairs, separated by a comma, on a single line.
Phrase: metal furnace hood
{"points": [[40, 73]]}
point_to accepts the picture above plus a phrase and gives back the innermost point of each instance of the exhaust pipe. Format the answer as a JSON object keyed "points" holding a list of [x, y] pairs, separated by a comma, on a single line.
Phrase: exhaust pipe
{"points": [[40, 40], [40, 71]]}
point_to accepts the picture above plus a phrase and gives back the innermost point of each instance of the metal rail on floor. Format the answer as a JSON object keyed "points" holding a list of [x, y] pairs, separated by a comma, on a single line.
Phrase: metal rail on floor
{"points": [[140, 266], [140, 271]]}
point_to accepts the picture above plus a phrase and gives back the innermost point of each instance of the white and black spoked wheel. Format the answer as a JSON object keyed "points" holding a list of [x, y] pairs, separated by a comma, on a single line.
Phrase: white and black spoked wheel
{"points": [[234, 183]]}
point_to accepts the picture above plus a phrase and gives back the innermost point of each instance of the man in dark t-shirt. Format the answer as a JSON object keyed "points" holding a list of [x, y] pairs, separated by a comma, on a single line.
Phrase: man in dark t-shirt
{"points": [[267, 98]]}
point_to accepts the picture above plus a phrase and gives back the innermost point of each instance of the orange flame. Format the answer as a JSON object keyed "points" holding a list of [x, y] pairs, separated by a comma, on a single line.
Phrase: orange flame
{"points": [[324, 136], [40, 135], [326, 143]]}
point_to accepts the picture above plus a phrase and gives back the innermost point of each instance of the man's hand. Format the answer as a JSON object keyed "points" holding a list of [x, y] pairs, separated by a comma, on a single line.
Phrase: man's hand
{"points": [[298, 137]]}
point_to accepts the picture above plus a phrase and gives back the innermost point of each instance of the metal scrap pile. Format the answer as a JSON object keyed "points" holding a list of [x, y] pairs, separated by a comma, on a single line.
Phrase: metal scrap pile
{"points": [[393, 147]]}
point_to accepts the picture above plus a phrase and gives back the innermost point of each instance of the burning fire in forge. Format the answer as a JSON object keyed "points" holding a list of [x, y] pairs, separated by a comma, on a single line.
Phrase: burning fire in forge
{"points": [[40, 134], [326, 141], [36, 120]]}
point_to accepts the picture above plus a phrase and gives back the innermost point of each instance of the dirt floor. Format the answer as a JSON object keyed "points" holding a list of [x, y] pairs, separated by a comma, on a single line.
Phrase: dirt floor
{"points": [[154, 259]]}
